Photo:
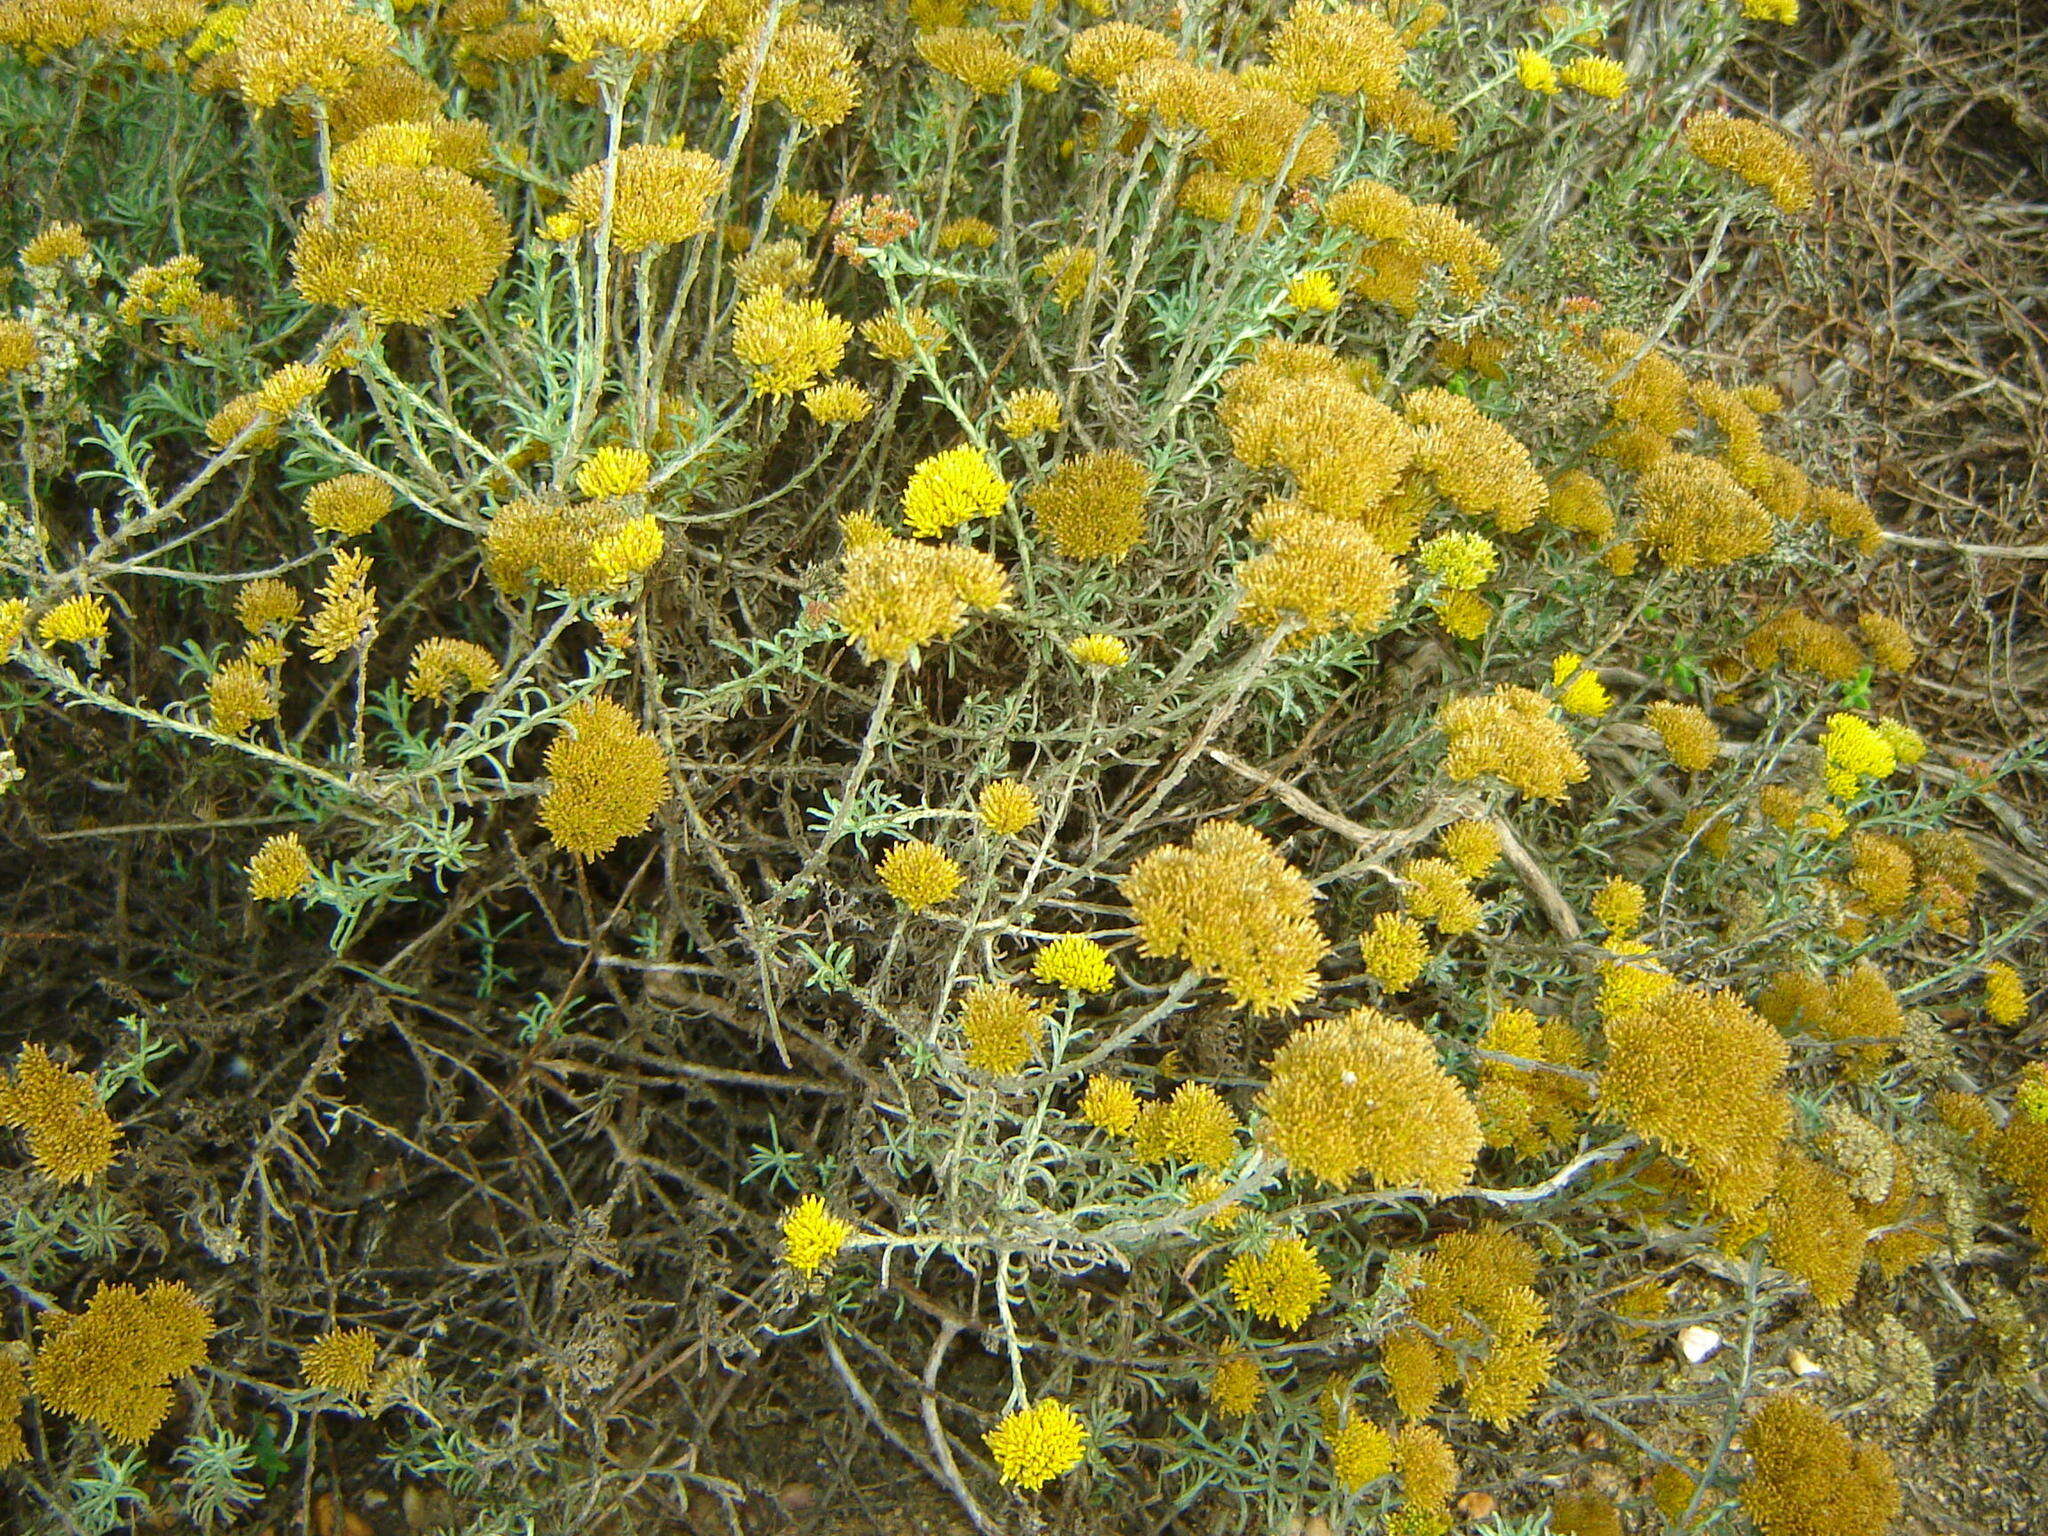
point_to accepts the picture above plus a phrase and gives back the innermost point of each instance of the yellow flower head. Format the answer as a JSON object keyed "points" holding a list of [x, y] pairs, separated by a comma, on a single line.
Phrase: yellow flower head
{"points": [[1076, 963], [1007, 807], [1536, 72], [583, 27], [1282, 1285], [1366, 1093], [445, 670], [950, 488], [1002, 1026], [1784, 12], [341, 1361], [279, 868], [629, 550], [812, 1236], [975, 56], [606, 779], [1194, 1126], [1579, 689], [1511, 734], [1103, 651], [1597, 76], [1907, 744], [1619, 906], [1360, 1453], [1460, 561], [407, 245], [1037, 1444], [75, 621], [1690, 738], [918, 874], [2005, 994], [1756, 152], [1233, 908], [240, 695], [305, 47], [614, 471], [1030, 413], [1474, 846], [1237, 1387], [349, 505], [898, 594], [662, 194], [1394, 951], [1314, 293], [1110, 1104], [838, 403], [1435, 890], [1854, 752], [1092, 507], [113, 1363], [789, 344], [70, 1135]]}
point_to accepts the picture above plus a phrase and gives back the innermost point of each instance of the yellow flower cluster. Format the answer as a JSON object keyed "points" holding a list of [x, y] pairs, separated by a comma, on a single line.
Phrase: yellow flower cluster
{"points": [[1527, 1108], [1106, 53], [812, 1236], [662, 194], [1619, 907], [898, 335], [950, 488], [1323, 572], [1436, 891], [789, 344], [1756, 152], [1366, 1093], [240, 696], [1597, 76], [1360, 1454], [1474, 846], [1695, 513], [1034, 1445], [1691, 740], [1854, 754], [408, 245], [1808, 1478], [305, 48], [76, 620], [1194, 1126], [918, 874], [70, 1135], [1393, 951], [1030, 413], [1512, 734], [1461, 562], [1428, 1472], [1478, 465], [1110, 1104], [1477, 1299], [1006, 807], [1092, 507], [1348, 50], [1228, 904], [1297, 408], [1075, 963], [2005, 994], [1002, 1027], [1697, 1072], [583, 27], [1578, 687], [1281, 1285], [112, 1364], [348, 505], [279, 869], [1405, 242], [1816, 1231], [582, 547], [897, 595], [445, 670], [1238, 1385], [838, 402], [342, 1361], [808, 71], [606, 779], [1801, 640], [974, 56], [1099, 652]]}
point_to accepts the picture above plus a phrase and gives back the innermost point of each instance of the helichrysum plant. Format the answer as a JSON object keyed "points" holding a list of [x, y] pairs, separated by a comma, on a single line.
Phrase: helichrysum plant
{"points": [[1133, 642]]}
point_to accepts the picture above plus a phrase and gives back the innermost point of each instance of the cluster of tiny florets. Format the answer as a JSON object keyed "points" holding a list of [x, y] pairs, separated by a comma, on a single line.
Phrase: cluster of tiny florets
{"points": [[70, 1135], [606, 779], [1513, 734], [1281, 1285], [1232, 907]]}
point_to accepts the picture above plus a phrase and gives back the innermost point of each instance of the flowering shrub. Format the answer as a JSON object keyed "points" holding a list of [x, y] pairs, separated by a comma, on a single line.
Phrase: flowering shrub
{"points": [[1103, 730]]}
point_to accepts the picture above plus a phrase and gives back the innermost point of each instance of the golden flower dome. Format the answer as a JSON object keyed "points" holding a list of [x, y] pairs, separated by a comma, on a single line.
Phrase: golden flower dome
{"points": [[112, 1364], [1282, 1284], [606, 779], [662, 194], [306, 48], [407, 245], [1366, 1093], [1092, 507], [70, 1136], [1234, 909]]}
